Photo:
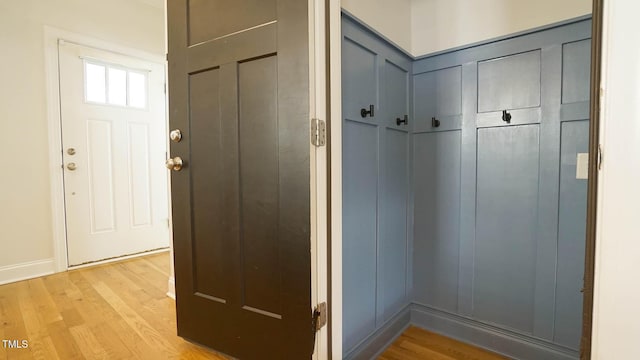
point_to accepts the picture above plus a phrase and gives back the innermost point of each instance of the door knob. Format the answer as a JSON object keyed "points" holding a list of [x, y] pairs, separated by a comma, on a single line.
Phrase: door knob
{"points": [[174, 164], [72, 166], [175, 135]]}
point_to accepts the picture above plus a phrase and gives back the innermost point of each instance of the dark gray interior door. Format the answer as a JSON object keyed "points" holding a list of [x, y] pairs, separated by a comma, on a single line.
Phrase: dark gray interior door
{"points": [[239, 93]]}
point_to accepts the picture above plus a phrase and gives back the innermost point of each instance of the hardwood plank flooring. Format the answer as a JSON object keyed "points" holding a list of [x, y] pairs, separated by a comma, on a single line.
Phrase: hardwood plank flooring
{"points": [[419, 344], [120, 311], [113, 311]]}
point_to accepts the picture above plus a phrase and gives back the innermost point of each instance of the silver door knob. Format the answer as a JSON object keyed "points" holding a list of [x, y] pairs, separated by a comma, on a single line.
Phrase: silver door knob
{"points": [[174, 164], [72, 166], [175, 135]]}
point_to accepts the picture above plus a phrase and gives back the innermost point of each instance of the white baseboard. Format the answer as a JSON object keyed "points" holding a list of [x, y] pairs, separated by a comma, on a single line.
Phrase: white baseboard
{"points": [[171, 286], [116, 259], [27, 270]]}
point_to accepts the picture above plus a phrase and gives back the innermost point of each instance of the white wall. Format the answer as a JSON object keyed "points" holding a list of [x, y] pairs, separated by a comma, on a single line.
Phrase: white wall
{"points": [[422, 27], [444, 24], [25, 206], [617, 295], [391, 18]]}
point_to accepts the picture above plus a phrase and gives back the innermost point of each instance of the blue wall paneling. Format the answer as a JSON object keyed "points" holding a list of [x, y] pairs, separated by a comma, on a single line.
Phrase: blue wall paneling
{"points": [[506, 226], [478, 222], [437, 217], [572, 211], [376, 161], [360, 217], [438, 94]]}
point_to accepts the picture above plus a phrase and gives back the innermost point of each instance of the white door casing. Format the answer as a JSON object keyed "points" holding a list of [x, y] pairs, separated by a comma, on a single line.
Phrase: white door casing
{"points": [[616, 296], [116, 198]]}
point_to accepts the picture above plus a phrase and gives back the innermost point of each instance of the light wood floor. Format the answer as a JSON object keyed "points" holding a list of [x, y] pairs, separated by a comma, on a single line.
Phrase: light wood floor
{"points": [[113, 311], [418, 344], [121, 311]]}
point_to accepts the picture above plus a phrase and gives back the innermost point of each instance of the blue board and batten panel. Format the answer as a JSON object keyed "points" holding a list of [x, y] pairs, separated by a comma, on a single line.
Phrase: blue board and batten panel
{"points": [[360, 191], [477, 223], [438, 94], [576, 68], [571, 235], [376, 163], [437, 217], [576, 71], [360, 78], [521, 208], [360, 199], [394, 192], [393, 250], [506, 226], [510, 82]]}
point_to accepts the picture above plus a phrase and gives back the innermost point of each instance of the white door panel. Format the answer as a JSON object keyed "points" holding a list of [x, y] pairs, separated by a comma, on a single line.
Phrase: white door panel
{"points": [[113, 119]]}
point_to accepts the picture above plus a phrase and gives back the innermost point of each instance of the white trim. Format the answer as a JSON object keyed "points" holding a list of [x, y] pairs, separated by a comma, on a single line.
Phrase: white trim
{"points": [[51, 37], [171, 287], [116, 259], [615, 311], [55, 149], [336, 176], [595, 324], [318, 171], [27, 270]]}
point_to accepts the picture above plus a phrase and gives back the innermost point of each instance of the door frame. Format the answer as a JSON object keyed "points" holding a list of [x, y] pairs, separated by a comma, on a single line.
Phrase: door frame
{"points": [[319, 161], [334, 177], [597, 12], [52, 36]]}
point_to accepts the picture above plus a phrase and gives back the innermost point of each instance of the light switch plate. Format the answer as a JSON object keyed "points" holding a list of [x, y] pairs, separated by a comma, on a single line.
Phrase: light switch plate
{"points": [[582, 166]]}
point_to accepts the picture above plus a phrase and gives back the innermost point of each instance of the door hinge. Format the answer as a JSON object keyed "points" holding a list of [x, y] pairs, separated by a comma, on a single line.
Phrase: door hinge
{"points": [[599, 157], [318, 132], [318, 321], [165, 88], [320, 316]]}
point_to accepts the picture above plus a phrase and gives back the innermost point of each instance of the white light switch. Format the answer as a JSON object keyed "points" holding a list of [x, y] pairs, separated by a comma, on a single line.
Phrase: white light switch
{"points": [[582, 166]]}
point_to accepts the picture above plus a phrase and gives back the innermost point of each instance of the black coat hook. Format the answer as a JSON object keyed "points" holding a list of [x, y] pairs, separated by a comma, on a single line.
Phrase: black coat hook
{"points": [[404, 120], [435, 122], [365, 112], [506, 117]]}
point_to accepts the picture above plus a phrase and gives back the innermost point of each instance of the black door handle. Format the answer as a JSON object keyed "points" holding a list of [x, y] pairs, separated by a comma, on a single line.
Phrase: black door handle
{"points": [[435, 122], [365, 112], [404, 120]]}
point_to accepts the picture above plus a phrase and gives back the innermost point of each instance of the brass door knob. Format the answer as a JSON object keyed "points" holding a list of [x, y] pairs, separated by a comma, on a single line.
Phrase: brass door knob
{"points": [[174, 164], [72, 166], [175, 135]]}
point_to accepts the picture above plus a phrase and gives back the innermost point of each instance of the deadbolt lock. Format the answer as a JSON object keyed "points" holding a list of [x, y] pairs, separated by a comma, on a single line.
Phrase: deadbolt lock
{"points": [[71, 151], [72, 166], [175, 135]]}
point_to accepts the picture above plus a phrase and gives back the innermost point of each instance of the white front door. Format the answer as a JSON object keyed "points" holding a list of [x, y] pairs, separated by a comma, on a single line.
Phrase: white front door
{"points": [[113, 137]]}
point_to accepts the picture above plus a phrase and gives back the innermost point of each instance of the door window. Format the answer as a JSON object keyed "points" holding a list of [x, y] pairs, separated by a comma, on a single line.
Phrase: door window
{"points": [[115, 85]]}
